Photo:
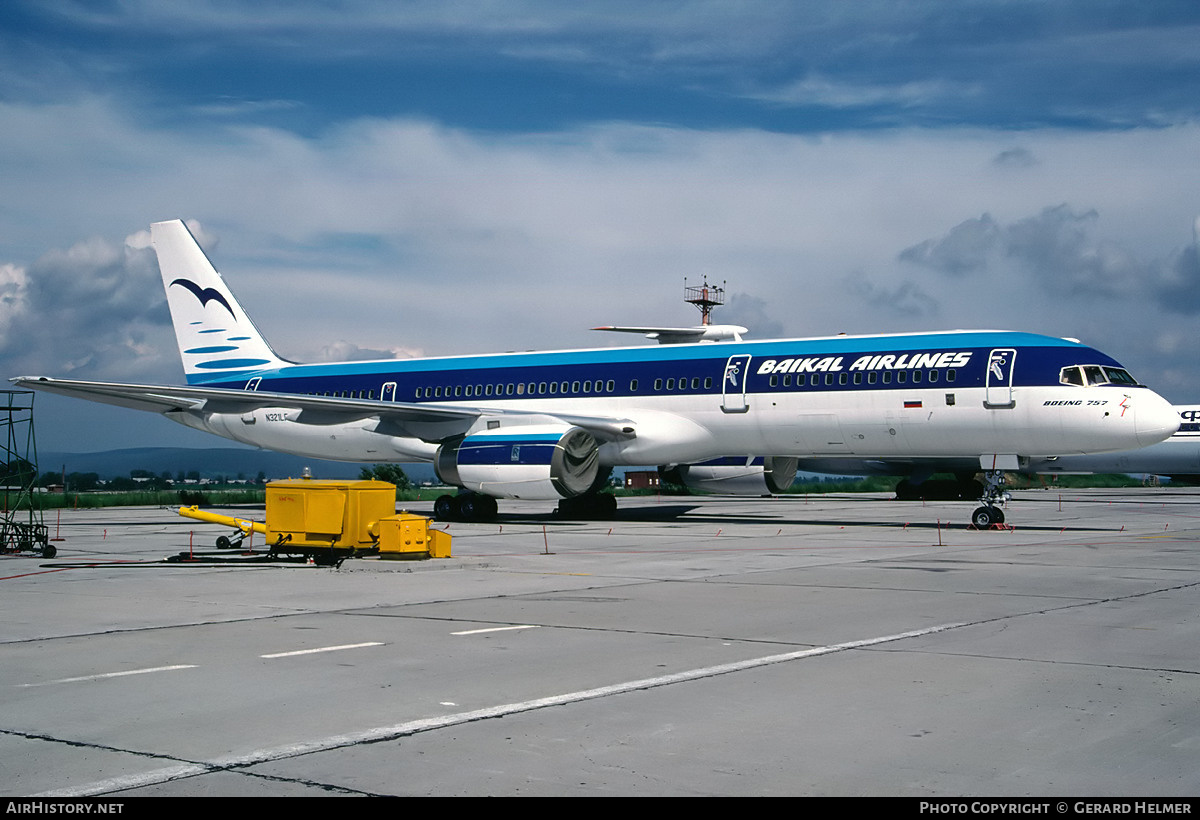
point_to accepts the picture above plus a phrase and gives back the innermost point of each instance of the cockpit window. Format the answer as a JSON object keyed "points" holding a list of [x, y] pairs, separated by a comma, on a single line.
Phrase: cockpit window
{"points": [[1118, 376], [1094, 374], [1070, 375]]}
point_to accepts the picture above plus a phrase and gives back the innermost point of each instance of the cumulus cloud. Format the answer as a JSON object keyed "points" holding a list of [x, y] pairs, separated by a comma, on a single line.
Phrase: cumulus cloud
{"points": [[1177, 279], [750, 312], [1015, 158], [343, 351], [908, 299], [1058, 248], [964, 250], [93, 309]]}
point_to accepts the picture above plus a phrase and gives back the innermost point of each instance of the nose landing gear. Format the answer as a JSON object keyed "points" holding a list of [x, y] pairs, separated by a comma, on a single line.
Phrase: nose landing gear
{"points": [[994, 498]]}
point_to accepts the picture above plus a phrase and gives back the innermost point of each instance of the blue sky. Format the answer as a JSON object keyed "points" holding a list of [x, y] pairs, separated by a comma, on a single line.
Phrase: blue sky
{"points": [[395, 179]]}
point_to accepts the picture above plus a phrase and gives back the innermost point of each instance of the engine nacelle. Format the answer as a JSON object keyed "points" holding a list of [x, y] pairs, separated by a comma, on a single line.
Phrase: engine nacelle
{"points": [[736, 475], [537, 461]]}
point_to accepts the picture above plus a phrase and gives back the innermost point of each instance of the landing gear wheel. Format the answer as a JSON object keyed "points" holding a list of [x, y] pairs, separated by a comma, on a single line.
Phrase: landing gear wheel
{"points": [[445, 508], [475, 507], [465, 507], [984, 517]]}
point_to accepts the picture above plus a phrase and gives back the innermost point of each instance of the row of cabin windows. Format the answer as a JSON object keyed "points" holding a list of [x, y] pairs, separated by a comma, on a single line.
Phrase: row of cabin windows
{"points": [[680, 384], [346, 394], [587, 387], [859, 377]]}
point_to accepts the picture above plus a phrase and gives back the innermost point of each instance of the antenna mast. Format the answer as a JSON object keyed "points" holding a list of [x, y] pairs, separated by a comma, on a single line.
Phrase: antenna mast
{"points": [[705, 297]]}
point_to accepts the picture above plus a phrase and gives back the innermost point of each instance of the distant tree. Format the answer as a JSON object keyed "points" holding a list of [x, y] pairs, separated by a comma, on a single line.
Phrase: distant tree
{"points": [[17, 473], [82, 482], [391, 473]]}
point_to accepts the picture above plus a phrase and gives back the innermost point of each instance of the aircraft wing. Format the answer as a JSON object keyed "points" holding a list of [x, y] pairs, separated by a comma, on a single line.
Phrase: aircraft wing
{"points": [[428, 422]]}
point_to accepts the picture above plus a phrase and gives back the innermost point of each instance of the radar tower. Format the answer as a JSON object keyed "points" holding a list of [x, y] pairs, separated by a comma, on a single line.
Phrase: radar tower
{"points": [[705, 297]]}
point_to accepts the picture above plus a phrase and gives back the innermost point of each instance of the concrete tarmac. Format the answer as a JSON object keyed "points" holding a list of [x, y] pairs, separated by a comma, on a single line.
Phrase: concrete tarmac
{"points": [[823, 645]]}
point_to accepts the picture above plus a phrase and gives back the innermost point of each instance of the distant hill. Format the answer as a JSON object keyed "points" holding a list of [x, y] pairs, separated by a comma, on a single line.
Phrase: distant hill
{"points": [[209, 463]]}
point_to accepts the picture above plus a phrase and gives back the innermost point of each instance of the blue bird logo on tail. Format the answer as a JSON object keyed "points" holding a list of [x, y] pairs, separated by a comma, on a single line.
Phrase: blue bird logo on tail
{"points": [[205, 295]]}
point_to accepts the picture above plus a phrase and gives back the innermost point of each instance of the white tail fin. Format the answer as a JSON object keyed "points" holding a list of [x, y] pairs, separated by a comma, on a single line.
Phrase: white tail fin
{"points": [[216, 337]]}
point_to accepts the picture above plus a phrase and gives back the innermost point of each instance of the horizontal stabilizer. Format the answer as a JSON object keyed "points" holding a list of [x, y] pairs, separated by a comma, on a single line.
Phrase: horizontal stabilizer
{"points": [[685, 335]]}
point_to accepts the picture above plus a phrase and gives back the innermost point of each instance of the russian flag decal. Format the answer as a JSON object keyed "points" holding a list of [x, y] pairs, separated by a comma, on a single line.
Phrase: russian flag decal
{"points": [[908, 404]]}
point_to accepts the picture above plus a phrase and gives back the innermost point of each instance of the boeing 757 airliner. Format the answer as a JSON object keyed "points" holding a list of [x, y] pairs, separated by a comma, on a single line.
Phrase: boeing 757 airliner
{"points": [[550, 425]]}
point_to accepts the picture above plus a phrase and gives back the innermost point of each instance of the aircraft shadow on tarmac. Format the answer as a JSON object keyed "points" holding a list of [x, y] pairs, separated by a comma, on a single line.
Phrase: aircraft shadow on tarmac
{"points": [[676, 512]]}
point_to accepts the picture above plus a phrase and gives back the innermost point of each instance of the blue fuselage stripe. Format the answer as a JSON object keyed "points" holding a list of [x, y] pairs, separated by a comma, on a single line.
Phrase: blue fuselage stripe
{"points": [[947, 360]]}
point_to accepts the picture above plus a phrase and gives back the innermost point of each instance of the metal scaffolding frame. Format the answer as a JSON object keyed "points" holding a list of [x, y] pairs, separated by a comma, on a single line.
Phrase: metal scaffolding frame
{"points": [[22, 527]]}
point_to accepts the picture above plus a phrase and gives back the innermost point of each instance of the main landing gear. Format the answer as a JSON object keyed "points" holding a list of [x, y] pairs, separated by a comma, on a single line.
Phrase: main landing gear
{"points": [[478, 507], [993, 499], [464, 507]]}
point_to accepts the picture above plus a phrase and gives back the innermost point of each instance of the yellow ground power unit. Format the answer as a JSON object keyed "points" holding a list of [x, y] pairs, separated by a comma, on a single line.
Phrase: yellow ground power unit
{"points": [[410, 536], [333, 520], [335, 514]]}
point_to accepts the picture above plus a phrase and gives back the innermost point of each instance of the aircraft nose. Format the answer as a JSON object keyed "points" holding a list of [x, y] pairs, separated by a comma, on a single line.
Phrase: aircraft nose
{"points": [[1156, 420]]}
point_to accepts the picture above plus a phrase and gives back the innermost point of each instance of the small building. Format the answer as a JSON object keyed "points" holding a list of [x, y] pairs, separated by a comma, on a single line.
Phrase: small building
{"points": [[642, 480]]}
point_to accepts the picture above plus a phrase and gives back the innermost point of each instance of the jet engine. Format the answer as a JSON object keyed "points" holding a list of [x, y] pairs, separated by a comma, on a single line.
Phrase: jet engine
{"points": [[735, 476], [536, 461]]}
